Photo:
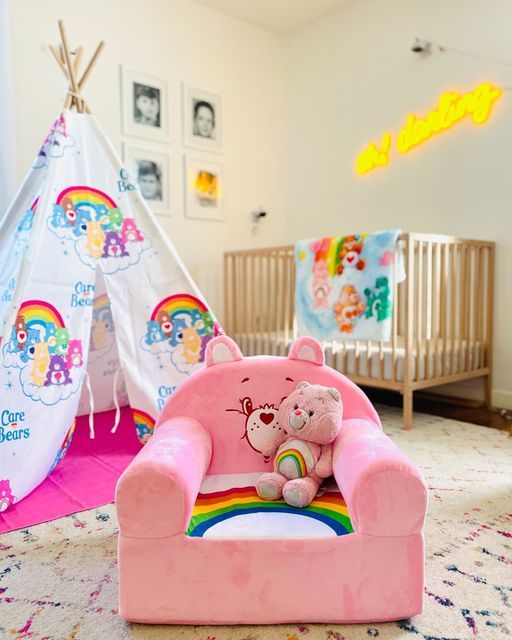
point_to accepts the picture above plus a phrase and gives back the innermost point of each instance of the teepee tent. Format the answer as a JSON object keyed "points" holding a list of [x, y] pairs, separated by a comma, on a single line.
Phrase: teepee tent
{"points": [[89, 286]]}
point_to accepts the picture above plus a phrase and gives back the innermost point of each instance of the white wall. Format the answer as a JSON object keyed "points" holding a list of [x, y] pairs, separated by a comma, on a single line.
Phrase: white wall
{"points": [[7, 114], [352, 77], [178, 40]]}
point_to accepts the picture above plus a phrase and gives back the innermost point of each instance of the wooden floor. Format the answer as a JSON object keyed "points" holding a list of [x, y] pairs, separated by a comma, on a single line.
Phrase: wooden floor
{"points": [[466, 412]]}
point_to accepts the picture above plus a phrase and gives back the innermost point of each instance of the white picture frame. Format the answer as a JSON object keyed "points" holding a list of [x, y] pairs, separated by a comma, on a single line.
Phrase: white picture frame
{"points": [[202, 119], [144, 105], [150, 169], [204, 188]]}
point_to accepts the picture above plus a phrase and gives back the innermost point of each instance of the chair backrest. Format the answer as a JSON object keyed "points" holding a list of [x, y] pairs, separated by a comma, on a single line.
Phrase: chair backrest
{"points": [[237, 399]]}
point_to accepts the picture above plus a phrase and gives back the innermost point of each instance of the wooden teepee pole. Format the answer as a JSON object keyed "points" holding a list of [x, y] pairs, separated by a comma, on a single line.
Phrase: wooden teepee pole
{"points": [[90, 66], [70, 68]]}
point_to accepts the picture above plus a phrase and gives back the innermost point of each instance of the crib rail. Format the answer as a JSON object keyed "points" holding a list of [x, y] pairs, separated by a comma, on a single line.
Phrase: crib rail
{"points": [[441, 323]]}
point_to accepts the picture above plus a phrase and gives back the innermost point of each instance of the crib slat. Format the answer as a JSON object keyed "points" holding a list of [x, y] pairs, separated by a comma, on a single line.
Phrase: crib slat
{"points": [[395, 313], [478, 306], [286, 293], [428, 302], [444, 304], [437, 301], [469, 269], [244, 290], [276, 303], [419, 308], [292, 293], [454, 301], [462, 307]]}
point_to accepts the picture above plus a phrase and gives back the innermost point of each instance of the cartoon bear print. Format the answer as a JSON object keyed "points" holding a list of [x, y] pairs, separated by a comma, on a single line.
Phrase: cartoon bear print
{"points": [[74, 355], [114, 247], [165, 322], [378, 303], [321, 284], [102, 215], [348, 308], [33, 336], [20, 329], [40, 364], [58, 373], [69, 210], [154, 333], [6, 497], [130, 232], [95, 239], [83, 217], [349, 255], [261, 423], [115, 219], [61, 342], [98, 335], [50, 338]]}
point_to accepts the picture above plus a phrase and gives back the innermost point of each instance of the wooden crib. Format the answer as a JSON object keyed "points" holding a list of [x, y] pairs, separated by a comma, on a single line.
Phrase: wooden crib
{"points": [[442, 323]]}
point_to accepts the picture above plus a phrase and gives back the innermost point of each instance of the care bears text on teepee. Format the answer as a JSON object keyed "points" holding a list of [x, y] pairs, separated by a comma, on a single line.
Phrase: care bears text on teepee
{"points": [[88, 283]]}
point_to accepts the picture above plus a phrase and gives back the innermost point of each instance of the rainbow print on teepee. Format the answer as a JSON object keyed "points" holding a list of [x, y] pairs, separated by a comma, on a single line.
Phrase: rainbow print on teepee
{"points": [[180, 325], [39, 345], [218, 507], [92, 221]]}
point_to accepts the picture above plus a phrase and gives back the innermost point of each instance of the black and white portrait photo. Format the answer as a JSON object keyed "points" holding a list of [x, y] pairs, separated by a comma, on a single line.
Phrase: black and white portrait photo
{"points": [[150, 170], [149, 179], [145, 106], [203, 119]]}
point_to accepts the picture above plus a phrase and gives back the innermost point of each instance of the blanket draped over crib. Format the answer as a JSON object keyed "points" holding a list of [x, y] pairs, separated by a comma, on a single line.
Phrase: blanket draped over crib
{"points": [[344, 285]]}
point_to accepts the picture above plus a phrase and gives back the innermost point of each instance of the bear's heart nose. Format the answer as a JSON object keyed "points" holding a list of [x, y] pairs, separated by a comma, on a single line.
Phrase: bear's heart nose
{"points": [[298, 412], [350, 258], [266, 417]]}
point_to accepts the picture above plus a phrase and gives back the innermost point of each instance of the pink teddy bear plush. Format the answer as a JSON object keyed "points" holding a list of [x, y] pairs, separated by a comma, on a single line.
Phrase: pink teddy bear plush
{"points": [[310, 419]]}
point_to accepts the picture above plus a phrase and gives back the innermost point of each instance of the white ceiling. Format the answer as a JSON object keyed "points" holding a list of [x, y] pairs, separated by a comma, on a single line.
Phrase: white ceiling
{"points": [[280, 16]]}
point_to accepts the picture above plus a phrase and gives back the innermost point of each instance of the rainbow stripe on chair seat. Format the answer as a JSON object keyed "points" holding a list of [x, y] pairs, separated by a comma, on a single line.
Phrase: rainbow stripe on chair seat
{"points": [[238, 512]]}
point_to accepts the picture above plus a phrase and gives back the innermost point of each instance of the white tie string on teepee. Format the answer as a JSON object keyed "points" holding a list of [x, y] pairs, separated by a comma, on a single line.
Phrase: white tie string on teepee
{"points": [[62, 55]]}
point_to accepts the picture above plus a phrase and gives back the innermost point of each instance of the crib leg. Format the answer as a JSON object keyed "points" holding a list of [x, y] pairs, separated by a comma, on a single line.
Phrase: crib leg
{"points": [[407, 408]]}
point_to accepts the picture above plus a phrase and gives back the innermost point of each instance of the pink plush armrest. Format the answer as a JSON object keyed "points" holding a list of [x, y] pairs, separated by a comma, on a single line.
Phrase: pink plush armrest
{"points": [[156, 493], [385, 492]]}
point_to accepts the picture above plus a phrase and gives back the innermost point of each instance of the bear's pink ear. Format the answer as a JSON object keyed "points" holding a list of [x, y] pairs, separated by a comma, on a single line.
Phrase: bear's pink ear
{"points": [[222, 349], [309, 349]]}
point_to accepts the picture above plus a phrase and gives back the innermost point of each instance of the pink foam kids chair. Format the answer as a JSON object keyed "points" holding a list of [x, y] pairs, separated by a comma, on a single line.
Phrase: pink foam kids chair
{"points": [[197, 545]]}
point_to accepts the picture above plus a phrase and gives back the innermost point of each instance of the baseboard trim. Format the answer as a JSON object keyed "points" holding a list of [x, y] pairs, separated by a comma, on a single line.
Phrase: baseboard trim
{"points": [[502, 399]]}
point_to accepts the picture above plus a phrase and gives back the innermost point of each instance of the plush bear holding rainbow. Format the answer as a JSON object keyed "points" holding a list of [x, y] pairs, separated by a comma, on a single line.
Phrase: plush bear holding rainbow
{"points": [[310, 419]]}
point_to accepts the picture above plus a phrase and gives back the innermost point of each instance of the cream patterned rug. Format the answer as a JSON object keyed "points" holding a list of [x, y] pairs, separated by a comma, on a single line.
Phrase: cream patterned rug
{"points": [[58, 581]]}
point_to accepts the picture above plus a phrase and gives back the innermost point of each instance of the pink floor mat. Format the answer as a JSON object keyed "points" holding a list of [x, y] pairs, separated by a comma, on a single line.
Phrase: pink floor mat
{"points": [[86, 478]]}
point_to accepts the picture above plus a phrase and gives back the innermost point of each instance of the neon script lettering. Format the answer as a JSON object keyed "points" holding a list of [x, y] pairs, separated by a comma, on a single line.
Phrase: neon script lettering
{"points": [[452, 107]]}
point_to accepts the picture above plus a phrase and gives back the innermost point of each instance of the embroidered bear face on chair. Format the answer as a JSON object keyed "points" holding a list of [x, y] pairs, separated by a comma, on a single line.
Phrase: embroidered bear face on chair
{"points": [[237, 399]]}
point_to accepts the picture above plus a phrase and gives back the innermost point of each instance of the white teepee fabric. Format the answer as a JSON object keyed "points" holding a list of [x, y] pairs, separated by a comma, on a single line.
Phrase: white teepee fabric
{"points": [[86, 276]]}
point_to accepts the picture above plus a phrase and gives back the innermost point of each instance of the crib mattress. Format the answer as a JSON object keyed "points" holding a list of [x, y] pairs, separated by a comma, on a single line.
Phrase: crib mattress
{"points": [[228, 507], [346, 354]]}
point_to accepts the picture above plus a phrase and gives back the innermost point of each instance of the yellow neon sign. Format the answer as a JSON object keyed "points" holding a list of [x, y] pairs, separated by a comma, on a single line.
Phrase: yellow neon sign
{"points": [[452, 107]]}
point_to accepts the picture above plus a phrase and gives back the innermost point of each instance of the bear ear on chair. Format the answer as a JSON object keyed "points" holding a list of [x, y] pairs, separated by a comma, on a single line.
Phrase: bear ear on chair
{"points": [[309, 349], [222, 349]]}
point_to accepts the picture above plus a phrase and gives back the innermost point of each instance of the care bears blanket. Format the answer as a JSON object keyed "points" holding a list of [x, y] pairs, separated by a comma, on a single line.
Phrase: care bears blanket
{"points": [[344, 285]]}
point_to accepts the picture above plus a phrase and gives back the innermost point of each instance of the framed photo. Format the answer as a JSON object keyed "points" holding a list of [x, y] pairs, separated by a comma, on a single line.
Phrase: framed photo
{"points": [[202, 119], [204, 187], [145, 105], [150, 170]]}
